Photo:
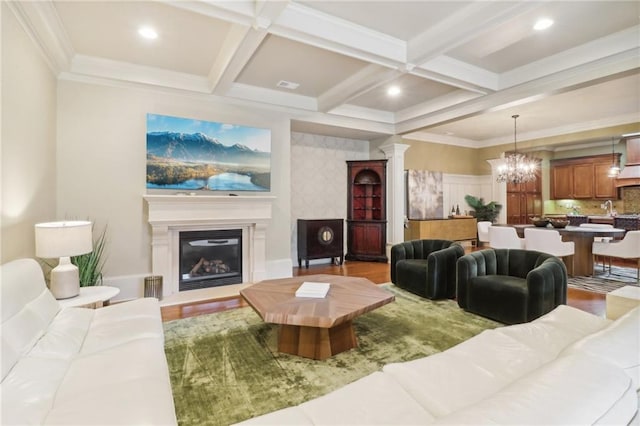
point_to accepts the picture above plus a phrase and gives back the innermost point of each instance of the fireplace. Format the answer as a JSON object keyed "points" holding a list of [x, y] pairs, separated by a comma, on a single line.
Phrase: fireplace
{"points": [[210, 258], [172, 215]]}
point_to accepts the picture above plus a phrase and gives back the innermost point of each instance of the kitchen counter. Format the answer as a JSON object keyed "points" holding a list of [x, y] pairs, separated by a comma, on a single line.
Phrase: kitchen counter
{"points": [[628, 222], [582, 238]]}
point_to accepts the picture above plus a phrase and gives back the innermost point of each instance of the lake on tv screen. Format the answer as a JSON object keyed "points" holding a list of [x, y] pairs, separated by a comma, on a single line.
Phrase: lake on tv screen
{"points": [[220, 182]]}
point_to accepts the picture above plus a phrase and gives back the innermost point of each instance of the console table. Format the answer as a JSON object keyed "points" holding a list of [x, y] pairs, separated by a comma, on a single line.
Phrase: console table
{"points": [[461, 229]]}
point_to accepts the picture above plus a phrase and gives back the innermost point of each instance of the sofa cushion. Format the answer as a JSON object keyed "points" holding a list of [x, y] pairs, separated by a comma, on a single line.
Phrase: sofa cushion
{"points": [[27, 309], [619, 344], [29, 390], [556, 330], [482, 365], [66, 334], [576, 389], [125, 384], [124, 322], [376, 399]]}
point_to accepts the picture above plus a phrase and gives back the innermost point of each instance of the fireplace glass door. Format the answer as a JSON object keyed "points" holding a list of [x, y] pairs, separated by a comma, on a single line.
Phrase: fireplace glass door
{"points": [[210, 258]]}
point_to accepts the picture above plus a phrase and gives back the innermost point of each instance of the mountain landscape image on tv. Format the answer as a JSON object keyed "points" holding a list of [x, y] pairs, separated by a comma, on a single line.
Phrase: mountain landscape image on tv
{"points": [[188, 155]]}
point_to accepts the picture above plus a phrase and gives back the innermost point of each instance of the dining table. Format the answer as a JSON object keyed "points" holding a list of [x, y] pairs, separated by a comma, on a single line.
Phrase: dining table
{"points": [[582, 238]]}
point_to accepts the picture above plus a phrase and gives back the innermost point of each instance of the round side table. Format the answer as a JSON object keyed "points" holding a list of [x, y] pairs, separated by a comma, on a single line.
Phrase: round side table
{"points": [[95, 295]]}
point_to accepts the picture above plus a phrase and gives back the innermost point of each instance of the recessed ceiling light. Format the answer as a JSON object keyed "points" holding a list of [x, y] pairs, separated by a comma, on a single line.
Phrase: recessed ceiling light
{"points": [[148, 33], [393, 91], [543, 24]]}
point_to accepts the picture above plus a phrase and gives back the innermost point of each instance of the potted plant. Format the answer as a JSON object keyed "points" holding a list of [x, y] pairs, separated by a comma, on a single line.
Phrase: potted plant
{"points": [[481, 211], [90, 264]]}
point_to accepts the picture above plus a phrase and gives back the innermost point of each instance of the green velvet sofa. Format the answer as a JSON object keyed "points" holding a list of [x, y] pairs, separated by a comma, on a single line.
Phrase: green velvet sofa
{"points": [[510, 285], [426, 267]]}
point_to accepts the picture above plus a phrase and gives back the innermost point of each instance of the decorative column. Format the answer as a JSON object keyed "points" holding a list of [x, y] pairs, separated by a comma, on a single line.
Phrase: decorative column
{"points": [[498, 190], [394, 153]]}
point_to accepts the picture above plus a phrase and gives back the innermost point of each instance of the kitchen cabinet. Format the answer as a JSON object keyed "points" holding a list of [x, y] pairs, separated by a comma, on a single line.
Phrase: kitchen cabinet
{"points": [[366, 210], [604, 186], [524, 200], [583, 178], [522, 206]]}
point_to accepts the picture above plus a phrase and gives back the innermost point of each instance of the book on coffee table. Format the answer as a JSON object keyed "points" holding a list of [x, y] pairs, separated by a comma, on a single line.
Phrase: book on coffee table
{"points": [[312, 289]]}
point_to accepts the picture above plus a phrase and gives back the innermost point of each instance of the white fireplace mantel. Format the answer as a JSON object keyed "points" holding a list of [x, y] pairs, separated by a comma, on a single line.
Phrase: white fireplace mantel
{"points": [[171, 214]]}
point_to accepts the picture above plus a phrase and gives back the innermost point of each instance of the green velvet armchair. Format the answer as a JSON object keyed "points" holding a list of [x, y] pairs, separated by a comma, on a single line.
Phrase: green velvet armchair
{"points": [[510, 285], [426, 267]]}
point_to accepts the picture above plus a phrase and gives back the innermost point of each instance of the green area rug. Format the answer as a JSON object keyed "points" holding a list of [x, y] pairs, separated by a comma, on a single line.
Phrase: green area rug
{"points": [[225, 368]]}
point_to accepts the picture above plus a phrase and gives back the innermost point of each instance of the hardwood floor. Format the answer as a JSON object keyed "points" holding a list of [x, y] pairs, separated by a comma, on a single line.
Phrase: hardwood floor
{"points": [[377, 272]]}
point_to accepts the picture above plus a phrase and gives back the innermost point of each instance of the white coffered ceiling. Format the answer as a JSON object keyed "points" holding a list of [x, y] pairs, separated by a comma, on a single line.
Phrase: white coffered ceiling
{"points": [[464, 67]]}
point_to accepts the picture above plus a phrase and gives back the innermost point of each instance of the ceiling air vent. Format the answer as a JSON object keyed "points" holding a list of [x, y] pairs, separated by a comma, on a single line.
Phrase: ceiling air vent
{"points": [[287, 85]]}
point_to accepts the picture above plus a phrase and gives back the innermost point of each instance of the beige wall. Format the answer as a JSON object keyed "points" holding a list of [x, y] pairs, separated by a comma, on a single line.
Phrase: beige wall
{"points": [[28, 140], [319, 180], [443, 158], [102, 164]]}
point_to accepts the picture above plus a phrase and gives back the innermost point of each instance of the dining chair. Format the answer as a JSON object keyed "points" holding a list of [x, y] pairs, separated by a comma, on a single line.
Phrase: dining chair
{"points": [[627, 248], [549, 241], [483, 231], [505, 237]]}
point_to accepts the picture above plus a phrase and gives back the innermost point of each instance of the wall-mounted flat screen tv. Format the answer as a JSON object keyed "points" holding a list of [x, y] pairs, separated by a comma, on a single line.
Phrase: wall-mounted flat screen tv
{"points": [[189, 155]]}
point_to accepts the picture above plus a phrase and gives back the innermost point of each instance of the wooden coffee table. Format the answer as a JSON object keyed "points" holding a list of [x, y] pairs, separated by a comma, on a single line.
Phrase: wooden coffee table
{"points": [[310, 327]]}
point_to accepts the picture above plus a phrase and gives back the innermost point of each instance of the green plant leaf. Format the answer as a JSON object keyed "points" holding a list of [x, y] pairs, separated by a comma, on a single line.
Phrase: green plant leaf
{"points": [[90, 264], [488, 212]]}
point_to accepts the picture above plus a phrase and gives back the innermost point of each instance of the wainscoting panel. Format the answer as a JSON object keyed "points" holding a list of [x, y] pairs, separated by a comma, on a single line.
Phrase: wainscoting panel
{"points": [[455, 187]]}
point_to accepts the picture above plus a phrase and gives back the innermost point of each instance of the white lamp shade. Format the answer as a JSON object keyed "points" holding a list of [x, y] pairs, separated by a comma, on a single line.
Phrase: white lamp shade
{"points": [[61, 239]]}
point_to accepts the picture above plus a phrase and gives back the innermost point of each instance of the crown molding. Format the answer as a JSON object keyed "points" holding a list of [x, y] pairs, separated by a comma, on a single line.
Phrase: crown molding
{"points": [[116, 70], [354, 111], [270, 96], [42, 24]]}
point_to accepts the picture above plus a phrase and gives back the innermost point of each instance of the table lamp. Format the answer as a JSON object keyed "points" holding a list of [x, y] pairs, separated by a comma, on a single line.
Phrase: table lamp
{"points": [[63, 240]]}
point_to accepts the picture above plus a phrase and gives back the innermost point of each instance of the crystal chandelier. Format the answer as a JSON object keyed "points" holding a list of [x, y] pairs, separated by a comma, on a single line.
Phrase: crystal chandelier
{"points": [[517, 168]]}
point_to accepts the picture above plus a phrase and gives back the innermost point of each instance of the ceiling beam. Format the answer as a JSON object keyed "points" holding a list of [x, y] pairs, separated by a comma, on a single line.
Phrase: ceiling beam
{"points": [[597, 71], [462, 26], [237, 50], [364, 80]]}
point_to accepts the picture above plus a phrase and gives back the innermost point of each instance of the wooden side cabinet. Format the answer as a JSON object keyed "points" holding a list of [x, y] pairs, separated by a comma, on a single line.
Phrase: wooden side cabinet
{"points": [[366, 210], [320, 239]]}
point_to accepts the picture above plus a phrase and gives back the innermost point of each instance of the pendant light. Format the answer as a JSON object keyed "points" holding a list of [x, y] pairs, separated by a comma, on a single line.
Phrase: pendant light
{"points": [[517, 168], [614, 170]]}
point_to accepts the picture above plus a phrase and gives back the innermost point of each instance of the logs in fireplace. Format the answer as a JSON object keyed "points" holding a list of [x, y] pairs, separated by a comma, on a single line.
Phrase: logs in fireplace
{"points": [[210, 258]]}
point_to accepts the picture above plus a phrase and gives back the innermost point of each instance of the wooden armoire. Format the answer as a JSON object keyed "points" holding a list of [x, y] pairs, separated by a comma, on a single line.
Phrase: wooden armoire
{"points": [[366, 210]]}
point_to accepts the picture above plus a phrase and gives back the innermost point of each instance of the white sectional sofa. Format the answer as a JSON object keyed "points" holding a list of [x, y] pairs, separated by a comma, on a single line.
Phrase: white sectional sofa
{"points": [[567, 367], [79, 366]]}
